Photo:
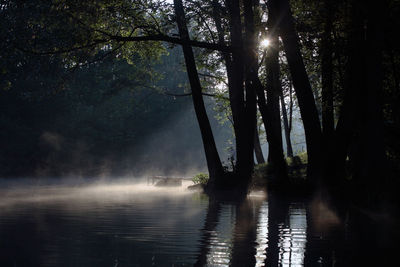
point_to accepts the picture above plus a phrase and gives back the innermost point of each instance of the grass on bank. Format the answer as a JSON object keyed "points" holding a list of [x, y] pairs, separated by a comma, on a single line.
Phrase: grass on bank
{"points": [[296, 170], [264, 173], [200, 178]]}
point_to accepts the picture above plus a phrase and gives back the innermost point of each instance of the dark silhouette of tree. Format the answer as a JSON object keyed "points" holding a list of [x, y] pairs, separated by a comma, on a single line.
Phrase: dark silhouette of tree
{"points": [[308, 110], [274, 90], [213, 161], [210, 224], [257, 148], [327, 75], [286, 125], [360, 119], [343, 69]]}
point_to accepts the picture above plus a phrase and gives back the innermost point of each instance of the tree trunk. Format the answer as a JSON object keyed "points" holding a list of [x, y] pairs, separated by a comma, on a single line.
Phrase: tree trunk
{"points": [[346, 132], [213, 161], [328, 124], [242, 107], [257, 148], [274, 90], [251, 73], [289, 148], [359, 133], [370, 150], [327, 76], [305, 97], [221, 40], [290, 106]]}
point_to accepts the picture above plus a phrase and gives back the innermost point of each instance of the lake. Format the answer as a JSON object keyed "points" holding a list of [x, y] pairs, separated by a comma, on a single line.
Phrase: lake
{"points": [[121, 223]]}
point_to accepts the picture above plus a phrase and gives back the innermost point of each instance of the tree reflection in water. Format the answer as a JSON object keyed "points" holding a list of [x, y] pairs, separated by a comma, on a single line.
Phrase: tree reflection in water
{"points": [[265, 233], [282, 231]]}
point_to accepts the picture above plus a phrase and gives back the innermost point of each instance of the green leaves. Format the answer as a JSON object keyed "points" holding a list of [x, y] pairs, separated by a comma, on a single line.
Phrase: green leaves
{"points": [[200, 178]]}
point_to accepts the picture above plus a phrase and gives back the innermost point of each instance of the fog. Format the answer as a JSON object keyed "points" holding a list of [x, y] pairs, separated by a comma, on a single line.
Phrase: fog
{"points": [[76, 192], [97, 222], [173, 146], [176, 147]]}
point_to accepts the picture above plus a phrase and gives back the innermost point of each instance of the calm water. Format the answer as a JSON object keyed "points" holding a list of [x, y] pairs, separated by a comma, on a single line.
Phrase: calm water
{"points": [[125, 224]]}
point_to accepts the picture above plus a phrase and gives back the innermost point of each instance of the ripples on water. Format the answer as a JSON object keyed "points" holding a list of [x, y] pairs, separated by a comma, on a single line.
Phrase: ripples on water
{"points": [[125, 224], [292, 237]]}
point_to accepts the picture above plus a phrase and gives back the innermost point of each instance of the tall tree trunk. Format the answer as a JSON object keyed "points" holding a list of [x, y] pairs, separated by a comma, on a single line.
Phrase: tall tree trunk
{"points": [[289, 148], [359, 132], [327, 75], [305, 97], [216, 12], [290, 106], [371, 158], [262, 106], [251, 73], [213, 161], [274, 90], [242, 107], [345, 131], [328, 124], [257, 148]]}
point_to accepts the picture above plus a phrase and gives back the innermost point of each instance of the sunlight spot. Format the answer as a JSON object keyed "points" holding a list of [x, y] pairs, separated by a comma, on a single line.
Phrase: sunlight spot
{"points": [[264, 43]]}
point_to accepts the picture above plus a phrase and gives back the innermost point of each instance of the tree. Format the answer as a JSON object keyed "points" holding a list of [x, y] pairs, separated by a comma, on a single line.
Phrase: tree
{"points": [[308, 109], [274, 90], [327, 75], [213, 161], [360, 120], [286, 126], [329, 69]]}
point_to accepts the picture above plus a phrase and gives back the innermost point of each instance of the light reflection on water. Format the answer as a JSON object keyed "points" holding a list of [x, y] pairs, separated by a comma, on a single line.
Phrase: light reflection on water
{"points": [[262, 235], [220, 241], [126, 224], [292, 237], [99, 225]]}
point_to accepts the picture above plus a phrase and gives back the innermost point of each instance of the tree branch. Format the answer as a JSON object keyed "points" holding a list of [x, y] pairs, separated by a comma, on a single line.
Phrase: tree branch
{"points": [[214, 77], [169, 39], [189, 94], [62, 51]]}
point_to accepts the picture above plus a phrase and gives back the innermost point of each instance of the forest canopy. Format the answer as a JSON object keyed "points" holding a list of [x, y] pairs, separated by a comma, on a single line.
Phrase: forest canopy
{"points": [[336, 61]]}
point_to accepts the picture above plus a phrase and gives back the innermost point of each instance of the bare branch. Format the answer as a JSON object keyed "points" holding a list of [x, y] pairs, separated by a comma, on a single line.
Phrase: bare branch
{"points": [[62, 51], [189, 94], [214, 77], [169, 39]]}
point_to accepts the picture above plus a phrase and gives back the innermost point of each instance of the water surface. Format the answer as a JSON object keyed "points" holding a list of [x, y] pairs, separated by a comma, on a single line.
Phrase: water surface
{"points": [[136, 224]]}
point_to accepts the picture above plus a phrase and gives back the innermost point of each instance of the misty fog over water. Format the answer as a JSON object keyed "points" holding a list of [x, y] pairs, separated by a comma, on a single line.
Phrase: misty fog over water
{"points": [[123, 222], [199, 133]]}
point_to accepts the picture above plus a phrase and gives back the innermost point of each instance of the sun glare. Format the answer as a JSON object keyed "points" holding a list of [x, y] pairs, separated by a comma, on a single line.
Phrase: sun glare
{"points": [[264, 43]]}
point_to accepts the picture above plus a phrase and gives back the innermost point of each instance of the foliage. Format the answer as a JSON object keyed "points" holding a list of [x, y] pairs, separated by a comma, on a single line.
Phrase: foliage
{"points": [[102, 114], [200, 178], [259, 175], [300, 158], [68, 67]]}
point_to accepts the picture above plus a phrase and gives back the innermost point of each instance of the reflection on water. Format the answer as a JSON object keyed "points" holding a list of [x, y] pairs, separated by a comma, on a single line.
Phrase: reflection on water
{"points": [[125, 224], [99, 225], [250, 234], [220, 241], [262, 235], [292, 237]]}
